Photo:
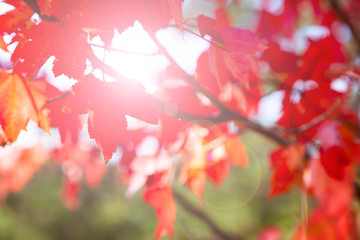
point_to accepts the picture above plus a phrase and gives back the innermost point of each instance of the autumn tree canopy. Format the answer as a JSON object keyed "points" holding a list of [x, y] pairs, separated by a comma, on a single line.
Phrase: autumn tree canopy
{"points": [[196, 118]]}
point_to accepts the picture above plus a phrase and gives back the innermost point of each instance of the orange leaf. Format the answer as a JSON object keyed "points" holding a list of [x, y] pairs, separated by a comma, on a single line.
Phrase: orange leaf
{"points": [[3, 45], [236, 151], [19, 102], [18, 165], [12, 20]]}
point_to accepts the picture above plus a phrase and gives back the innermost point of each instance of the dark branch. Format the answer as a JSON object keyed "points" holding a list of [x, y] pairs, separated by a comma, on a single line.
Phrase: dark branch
{"points": [[226, 113], [58, 98], [314, 122], [33, 5], [337, 9], [203, 217]]}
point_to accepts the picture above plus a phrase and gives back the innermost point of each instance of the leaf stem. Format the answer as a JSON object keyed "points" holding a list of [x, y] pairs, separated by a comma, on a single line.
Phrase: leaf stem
{"points": [[58, 98], [32, 99]]}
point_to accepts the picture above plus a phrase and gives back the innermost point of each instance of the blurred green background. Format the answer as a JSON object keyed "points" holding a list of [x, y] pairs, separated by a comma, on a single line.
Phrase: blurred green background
{"points": [[37, 213]]}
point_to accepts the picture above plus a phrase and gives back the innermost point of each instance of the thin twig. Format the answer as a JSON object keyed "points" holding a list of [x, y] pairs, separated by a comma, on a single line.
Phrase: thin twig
{"points": [[315, 121], [58, 98], [30, 95], [203, 217], [124, 51], [216, 44], [212, 42]]}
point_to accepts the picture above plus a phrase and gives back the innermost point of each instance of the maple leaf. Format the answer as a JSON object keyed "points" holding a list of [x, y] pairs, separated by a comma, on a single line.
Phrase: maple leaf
{"points": [[235, 62], [107, 104], [60, 114], [79, 160], [287, 169], [20, 102], [149, 170], [170, 128], [218, 171], [310, 82], [70, 193], [336, 152], [16, 18], [206, 160], [59, 9], [242, 41], [18, 165], [280, 60], [65, 40], [333, 195], [238, 66], [206, 25], [335, 161], [62, 117], [236, 152], [213, 27], [321, 226], [193, 173], [162, 200], [205, 76]]}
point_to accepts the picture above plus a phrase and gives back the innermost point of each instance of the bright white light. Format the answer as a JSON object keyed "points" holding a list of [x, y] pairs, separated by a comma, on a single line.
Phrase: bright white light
{"points": [[340, 84], [136, 59], [4, 7], [270, 108], [313, 32], [148, 147], [184, 47]]}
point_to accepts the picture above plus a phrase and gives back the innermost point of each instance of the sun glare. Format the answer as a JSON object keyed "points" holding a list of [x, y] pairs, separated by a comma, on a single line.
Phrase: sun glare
{"points": [[135, 55]]}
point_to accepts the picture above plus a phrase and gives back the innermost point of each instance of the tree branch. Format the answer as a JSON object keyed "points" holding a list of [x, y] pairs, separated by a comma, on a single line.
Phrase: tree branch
{"points": [[315, 121], [226, 113], [203, 217], [35, 7], [58, 97], [337, 9]]}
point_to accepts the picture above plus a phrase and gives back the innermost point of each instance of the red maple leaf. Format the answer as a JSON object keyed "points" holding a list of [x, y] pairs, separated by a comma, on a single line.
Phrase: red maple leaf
{"points": [[107, 104], [162, 200], [287, 169]]}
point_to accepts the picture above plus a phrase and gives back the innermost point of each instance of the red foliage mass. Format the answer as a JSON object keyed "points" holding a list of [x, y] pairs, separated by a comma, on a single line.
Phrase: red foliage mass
{"points": [[200, 118]]}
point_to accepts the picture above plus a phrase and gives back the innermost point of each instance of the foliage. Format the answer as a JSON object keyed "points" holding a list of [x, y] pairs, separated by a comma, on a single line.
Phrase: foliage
{"points": [[197, 119]]}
